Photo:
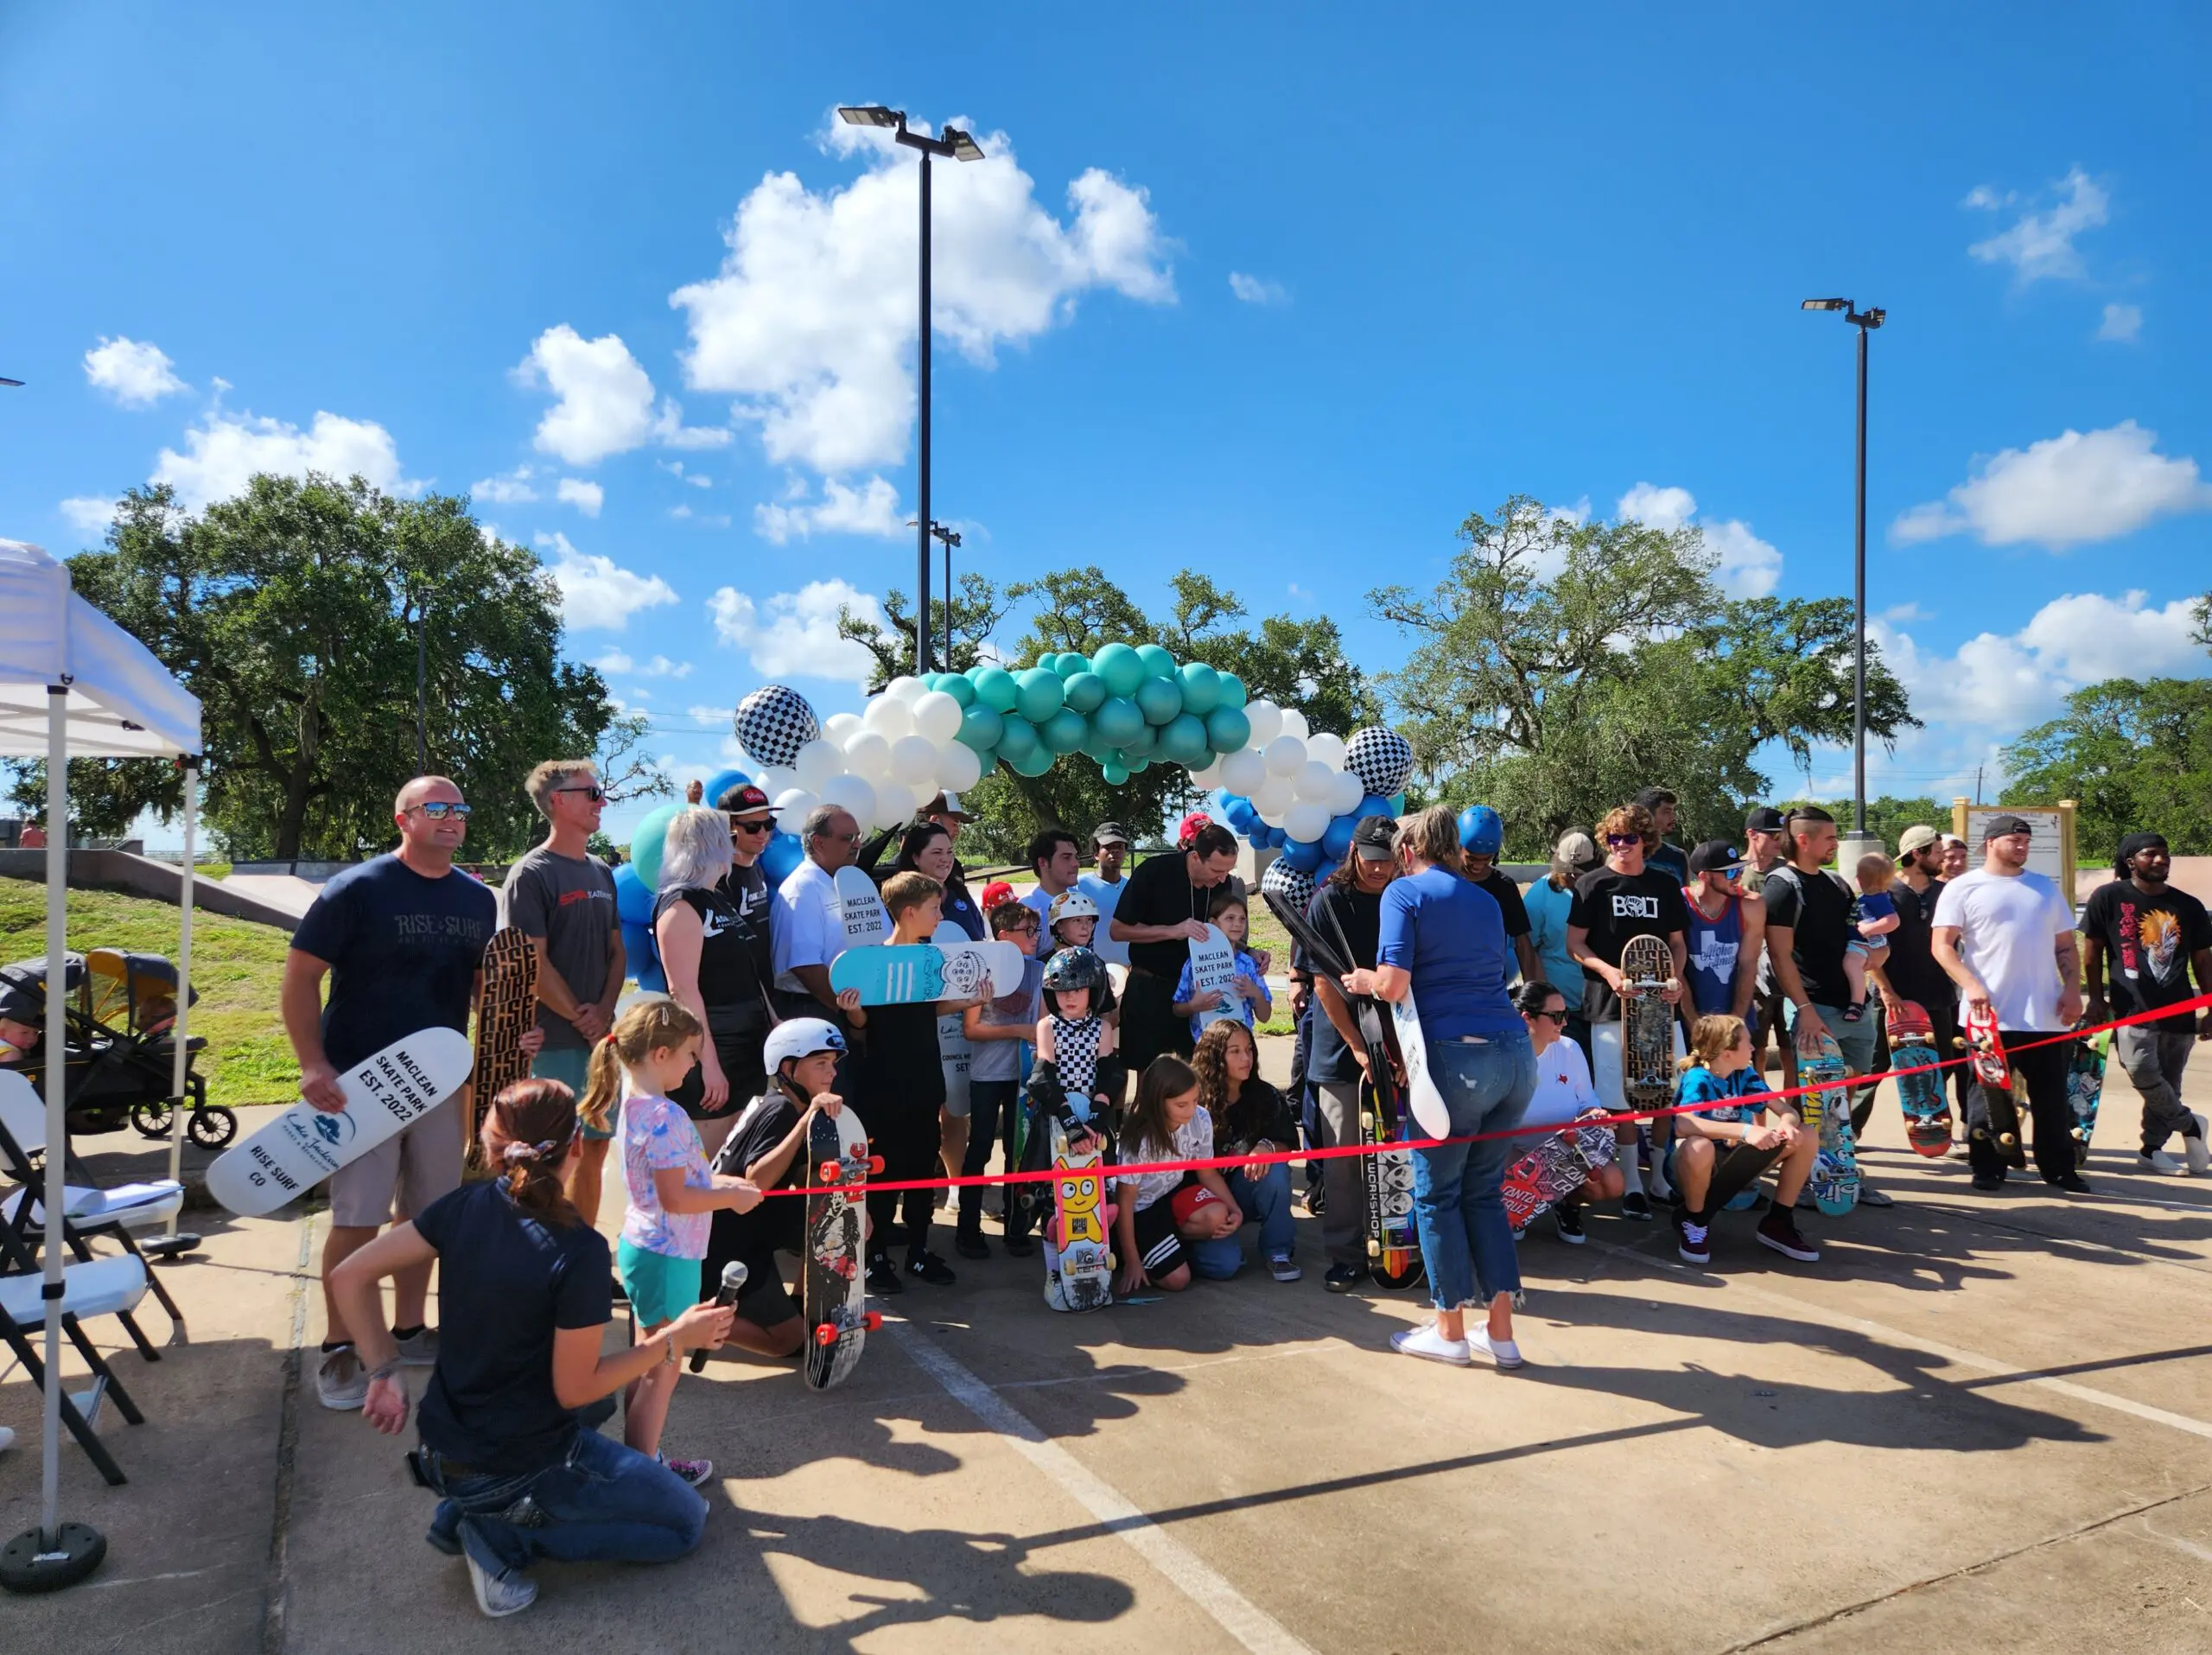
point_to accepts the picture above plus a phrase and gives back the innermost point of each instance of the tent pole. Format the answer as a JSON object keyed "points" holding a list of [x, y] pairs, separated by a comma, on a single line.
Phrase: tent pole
{"points": [[180, 1030], [57, 1077]]}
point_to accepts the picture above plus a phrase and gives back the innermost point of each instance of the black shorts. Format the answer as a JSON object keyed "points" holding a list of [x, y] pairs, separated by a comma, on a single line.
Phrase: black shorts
{"points": [[766, 1301], [1158, 1245], [740, 1054], [1149, 1025]]}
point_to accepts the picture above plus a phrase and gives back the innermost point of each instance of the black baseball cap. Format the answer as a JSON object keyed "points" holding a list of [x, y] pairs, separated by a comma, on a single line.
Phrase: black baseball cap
{"points": [[1714, 855], [1999, 826], [1109, 833], [1375, 838], [745, 799], [1765, 819]]}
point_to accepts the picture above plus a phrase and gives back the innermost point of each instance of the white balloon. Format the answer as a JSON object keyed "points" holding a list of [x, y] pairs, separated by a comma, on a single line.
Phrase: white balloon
{"points": [[906, 691], [913, 760], [1326, 748], [1305, 821], [793, 806], [889, 717], [1286, 756], [816, 762], [1273, 819], [1243, 772], [1294, 723], [853, 794], [1265, 719], [839, 728], [867, 754], [1273, 797], [1345, 791], [774, 780], [938, 717], [896, 804], [1207, 779], [1315, 781], [957, 767]]}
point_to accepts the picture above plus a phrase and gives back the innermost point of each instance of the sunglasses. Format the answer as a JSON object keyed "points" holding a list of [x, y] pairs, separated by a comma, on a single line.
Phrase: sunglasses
{"points": [[1620, 840], [1558, 1016], [438, 810], [594, 794], [753, 827]]}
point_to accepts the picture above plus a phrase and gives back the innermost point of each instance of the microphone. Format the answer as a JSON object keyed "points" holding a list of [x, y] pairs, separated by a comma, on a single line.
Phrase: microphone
{"points": [[734, 1275]]}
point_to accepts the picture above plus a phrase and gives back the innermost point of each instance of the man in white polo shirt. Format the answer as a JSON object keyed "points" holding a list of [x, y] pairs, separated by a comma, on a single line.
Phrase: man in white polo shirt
{"points": [[810, 932]]}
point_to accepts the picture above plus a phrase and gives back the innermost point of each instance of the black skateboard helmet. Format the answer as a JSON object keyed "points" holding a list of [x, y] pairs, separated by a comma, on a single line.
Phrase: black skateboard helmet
{"points": [[1074, 968]]}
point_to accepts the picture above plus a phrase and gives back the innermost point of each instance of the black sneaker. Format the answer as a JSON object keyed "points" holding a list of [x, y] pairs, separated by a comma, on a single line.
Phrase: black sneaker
{"points": [[2073, 1183], [1636, 1205], [882, 1279], [1019, 1246], [1569, 1222], [1343, 1278], [1691, 1240], [1317, 1202], [1990, 1179], [930, 1269], [970, 1243], [1779, 1231]]}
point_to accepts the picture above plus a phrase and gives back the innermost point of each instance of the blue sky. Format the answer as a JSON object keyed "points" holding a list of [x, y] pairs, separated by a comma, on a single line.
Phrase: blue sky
{"points": [[1278, 293]]}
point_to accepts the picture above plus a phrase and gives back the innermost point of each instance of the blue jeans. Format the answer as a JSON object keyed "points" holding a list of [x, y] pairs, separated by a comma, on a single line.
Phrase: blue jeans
{"points": [[604, 1503], [1265, 1200], [1465, 1240]]}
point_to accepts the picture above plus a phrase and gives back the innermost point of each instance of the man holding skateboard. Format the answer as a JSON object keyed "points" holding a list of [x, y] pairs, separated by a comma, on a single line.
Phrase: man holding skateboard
{"points": [[1160, 915], [1763, 842], [1911, 968], [2154, 935], [2006, 939], [808, 932], [562, 897], [400, 937]]}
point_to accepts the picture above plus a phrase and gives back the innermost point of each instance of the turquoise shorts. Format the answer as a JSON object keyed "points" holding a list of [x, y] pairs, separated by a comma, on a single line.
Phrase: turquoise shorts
{"points": [[571, 1066], [659, 1288]]}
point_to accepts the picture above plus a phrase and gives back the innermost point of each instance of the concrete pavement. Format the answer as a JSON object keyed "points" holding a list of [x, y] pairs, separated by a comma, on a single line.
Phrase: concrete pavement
{"points": [[1978, 1423]]}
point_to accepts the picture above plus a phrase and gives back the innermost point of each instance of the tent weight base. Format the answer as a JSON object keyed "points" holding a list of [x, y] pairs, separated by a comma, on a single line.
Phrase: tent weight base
{"points": [[37, 1561]]}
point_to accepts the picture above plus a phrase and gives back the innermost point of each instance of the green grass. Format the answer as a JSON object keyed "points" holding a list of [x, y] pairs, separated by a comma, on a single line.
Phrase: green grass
{"points": [[237, 966]]}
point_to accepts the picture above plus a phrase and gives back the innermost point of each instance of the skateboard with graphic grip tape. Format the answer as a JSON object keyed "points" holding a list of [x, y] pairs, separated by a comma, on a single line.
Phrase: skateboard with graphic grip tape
{"points": [[834, 1290], [1920, 1094], [1993, 1071]]}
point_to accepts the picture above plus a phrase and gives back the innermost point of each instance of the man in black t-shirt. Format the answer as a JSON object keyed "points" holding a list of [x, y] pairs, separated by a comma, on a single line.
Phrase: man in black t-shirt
{"points": [[1622, 900], [1478, 861], [1912, 969], [2154, 936], [1161, 913]]}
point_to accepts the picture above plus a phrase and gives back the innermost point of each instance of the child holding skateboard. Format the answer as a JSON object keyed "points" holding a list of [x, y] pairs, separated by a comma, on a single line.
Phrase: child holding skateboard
{"points": [[1246, 998], [1160, 1211], [1250, 1117], [1077, 1077], [996, 1031], [674, 1194], [1873, 916], [1722, 1097]]}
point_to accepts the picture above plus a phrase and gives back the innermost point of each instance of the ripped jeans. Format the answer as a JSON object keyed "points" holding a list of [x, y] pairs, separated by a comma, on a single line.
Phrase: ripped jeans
{"points": [[603, 1503]]}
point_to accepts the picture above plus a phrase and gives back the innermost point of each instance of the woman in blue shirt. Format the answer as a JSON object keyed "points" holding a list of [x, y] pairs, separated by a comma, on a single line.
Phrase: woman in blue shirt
{"points": [[1443, 943]]}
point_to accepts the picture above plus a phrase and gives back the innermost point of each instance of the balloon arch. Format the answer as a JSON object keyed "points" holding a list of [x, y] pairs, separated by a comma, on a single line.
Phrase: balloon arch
{"points": [[1267, 776]]}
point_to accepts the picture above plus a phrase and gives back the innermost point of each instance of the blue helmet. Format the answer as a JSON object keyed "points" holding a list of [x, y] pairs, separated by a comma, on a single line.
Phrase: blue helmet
{"points": [[1482, 830], [800, 1037]]}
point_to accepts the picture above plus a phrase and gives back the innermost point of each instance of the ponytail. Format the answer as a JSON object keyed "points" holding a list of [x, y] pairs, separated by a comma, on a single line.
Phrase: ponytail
{"points": [[1711, 1037], [655, 1023], [528, 1133]]}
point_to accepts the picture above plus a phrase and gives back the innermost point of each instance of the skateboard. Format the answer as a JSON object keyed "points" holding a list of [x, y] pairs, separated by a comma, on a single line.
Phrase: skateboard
{"points": [[1559, 1164], [1647, 1025], [1213, 965], [954, 1049], [1827, 1111], [1423, 1102], [506, 1010], [834, 1290], [1081, 1221], [897, 974], [304, 1145], [1993, 1071], [860, 908], [1912, 1046], [2085, 1088]]}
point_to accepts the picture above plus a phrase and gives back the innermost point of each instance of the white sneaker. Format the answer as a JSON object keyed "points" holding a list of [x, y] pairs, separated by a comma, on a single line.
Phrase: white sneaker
{"points": [[1430, 1346], [340, 1382], [1054, 1295], [2200, 1157], [7, 1439], [1504, 1352], [2159, 1161], [500, 1595], [419, 1349]]}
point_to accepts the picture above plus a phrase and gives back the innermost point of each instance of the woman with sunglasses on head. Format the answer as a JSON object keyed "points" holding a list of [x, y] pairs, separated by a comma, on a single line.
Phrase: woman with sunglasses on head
{"points": [[714, 965]]}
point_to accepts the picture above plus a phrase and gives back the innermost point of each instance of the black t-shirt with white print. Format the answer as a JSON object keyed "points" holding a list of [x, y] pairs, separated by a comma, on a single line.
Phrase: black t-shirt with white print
{"points": [[1612, 908]]}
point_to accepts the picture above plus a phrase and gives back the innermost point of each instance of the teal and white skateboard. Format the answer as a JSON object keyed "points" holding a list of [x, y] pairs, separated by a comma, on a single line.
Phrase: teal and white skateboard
{"points": [[861, 909], [915, 973], [1828, 1112]]}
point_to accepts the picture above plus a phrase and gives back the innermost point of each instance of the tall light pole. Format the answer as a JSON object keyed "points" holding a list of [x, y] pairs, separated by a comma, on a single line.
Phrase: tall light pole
{"points": [[1865, 321], [958, 146], [947, 538]]}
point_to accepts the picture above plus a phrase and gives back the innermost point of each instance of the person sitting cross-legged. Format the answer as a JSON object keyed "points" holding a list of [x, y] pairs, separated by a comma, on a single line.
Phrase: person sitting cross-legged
{"points": [[1722, 1146]]}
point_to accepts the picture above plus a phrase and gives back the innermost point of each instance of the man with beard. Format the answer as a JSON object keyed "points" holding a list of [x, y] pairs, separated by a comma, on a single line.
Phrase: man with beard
{"points": [[2154, 936]]}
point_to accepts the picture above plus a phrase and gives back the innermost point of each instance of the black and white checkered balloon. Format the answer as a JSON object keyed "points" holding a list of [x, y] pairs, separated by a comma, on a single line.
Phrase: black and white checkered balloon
{"points": [[1382, 758], [773, 722], [1288, 882]]}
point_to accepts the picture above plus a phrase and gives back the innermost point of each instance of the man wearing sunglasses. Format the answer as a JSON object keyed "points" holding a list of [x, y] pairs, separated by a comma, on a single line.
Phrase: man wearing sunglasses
{"points": [[810, 931], [562, 897], [401, 938], [1727, 926], [751, 824]]}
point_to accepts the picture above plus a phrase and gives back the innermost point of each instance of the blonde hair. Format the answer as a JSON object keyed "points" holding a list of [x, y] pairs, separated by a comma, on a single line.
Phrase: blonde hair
{"points": [[1875, 871], [542, 783], [655, 1023], [1433, 835], [1628, 818], [1711, 1036], [907, 891], [695, 852]]}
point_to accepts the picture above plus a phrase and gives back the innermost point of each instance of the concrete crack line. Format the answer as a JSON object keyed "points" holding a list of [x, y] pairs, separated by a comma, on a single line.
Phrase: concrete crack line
{"points": [[288, 1448]]}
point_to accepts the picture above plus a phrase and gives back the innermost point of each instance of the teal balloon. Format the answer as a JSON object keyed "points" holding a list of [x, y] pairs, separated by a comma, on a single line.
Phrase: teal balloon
{"points": [[1114, 774], [1064, 731], [1048, 662], [1018, 739], [959, 687], [1397, 804], [1158, 700], [1070, 663], [1037, 763], [996, 689], [1117, 720], [981, 728], [1085, 691], [1183, 740], [1158, 663], [1038, 694], [1233, 690], [1099, 747], [646, 840], [1201, 688], [1140, 745], [1118, 665], [1227, 729]]}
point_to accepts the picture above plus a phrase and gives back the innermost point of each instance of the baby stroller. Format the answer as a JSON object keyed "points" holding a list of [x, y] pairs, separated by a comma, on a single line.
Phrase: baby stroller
{"points": [[120, 1053]]}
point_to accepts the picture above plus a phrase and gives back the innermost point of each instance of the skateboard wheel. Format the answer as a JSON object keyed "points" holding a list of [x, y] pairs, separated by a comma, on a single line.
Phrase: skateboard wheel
{"points": [[829, 1172], [875, 1163], [1374, 1249], [2009, 1140], [826, 1334], [874, 1320], [1367, 1120]]}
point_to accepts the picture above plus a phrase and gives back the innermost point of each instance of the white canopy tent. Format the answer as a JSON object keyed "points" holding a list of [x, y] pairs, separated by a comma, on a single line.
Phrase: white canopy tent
{"points": [[74, 685]]}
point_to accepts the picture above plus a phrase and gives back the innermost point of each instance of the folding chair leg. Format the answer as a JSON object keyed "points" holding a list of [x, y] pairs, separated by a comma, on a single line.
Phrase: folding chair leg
{"points": [[101, 1372], [161, 1293], [138, 1336], [79, 1428]]}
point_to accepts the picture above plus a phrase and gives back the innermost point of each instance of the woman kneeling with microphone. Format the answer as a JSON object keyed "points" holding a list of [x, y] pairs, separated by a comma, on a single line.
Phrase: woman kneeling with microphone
{"points": [[525, 1292]]}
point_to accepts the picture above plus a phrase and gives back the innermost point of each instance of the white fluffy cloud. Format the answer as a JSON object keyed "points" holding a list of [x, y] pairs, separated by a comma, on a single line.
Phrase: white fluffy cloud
{"points": [[596, 592], [88, 513], [2066, 490], [2122, 323], [794, 634], [2040, 244], [1749, 567], [603, 400], [513, 487], [586, 497], [225, 450], [136, 373], [872, 508], [812, 317], [1256, 289]]}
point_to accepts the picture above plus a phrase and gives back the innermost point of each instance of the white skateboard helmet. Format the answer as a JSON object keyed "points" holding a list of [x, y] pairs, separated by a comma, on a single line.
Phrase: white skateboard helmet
{"points": [[1072, 905], [800, 1037]]}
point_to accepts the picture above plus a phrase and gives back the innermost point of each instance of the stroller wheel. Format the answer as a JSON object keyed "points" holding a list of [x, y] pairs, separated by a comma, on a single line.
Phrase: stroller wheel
{"points": [[212, 1127], [152, 1119]]}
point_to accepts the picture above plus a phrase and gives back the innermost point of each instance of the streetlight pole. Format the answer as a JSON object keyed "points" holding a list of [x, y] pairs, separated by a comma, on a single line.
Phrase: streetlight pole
{"points": [[1865, 321], [958, 146], [421, 661], [947, 538]]}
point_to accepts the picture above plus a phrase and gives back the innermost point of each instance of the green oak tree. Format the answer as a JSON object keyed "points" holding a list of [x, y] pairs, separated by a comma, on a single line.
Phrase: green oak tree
{"points": [[2135, 755]]}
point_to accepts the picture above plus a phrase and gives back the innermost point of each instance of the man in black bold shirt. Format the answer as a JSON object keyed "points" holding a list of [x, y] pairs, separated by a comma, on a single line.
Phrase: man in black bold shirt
{"points": [[1162, 912]]}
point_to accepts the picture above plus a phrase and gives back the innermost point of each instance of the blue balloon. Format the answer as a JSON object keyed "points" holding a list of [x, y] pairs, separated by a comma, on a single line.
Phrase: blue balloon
{"points": [[1277, 838], [1337, 841], [642, 956], [784, 852], [633, 898], [1241, 814], [720, 783], [1303, 854], [1375, 805], [1482, 830]]}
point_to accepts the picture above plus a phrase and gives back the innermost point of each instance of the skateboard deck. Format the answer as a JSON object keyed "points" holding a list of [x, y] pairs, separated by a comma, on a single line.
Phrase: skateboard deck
{"points": [[385, 1094], [1827, 1111], [1081, 1221], [1213, 965], [1920, 1097], [860, 908], [1993, 1072], [506, 1010], [2085, 1088], [1423, 1102], [1559, 1164], [898, 974], [834, 1289], [1647, 1025], [954, 1048]]}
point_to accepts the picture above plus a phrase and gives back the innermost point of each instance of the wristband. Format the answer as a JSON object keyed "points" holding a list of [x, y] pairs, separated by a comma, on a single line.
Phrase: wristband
{"points": [[668, 1359], [383, 1369]]}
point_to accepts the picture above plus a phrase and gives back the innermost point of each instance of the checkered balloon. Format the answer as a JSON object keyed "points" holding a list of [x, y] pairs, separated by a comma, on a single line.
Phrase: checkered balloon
{"points": [[1288, 882], [1382, 758], [773, 722]]}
